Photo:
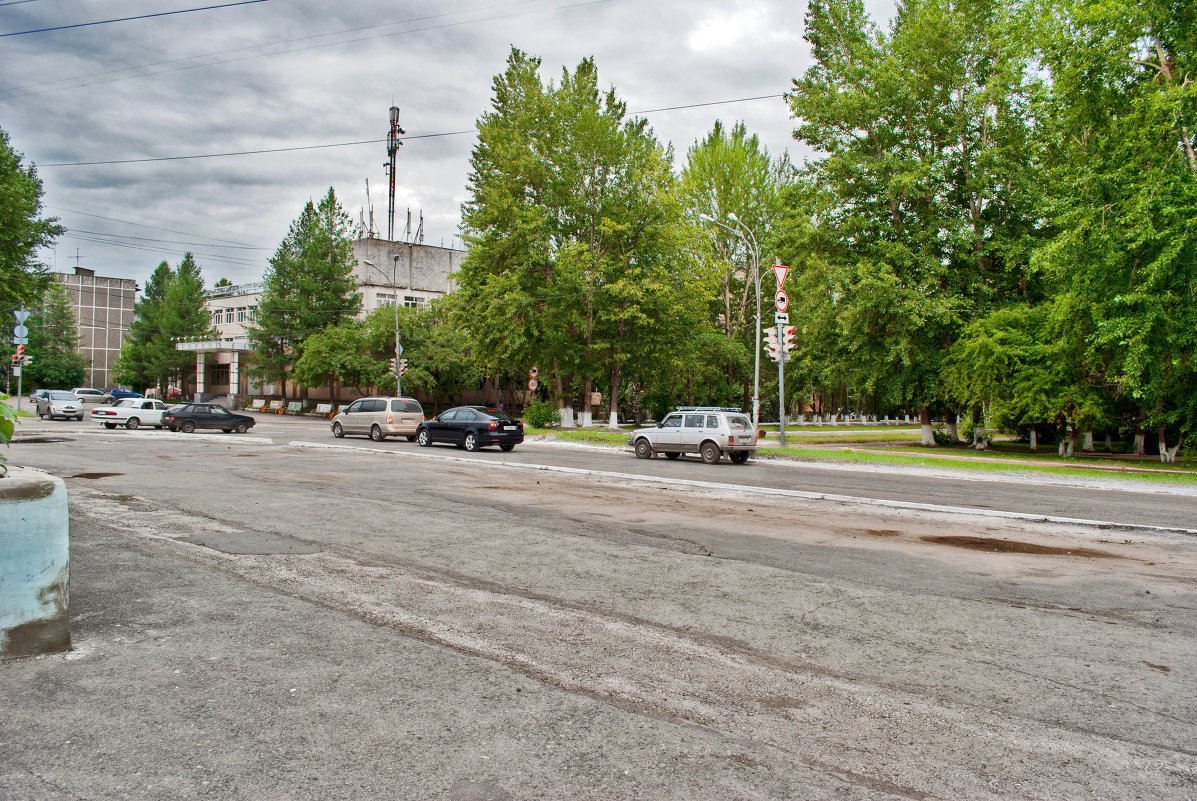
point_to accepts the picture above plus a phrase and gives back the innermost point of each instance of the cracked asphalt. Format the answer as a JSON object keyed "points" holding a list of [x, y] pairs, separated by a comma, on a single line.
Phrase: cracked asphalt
{"points": [[256, 621]]}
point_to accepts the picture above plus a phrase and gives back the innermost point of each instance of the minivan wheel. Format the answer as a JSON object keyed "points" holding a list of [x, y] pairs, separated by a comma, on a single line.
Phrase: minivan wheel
{"points": [[643, 449], [132, 423], [422, 438], [188, 426], [471, 441], [338, 432], [376, 434], [710, 452]]}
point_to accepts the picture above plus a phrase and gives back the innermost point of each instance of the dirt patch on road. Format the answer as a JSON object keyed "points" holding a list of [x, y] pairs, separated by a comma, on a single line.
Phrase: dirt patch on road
{"points": [[1013, 546]]}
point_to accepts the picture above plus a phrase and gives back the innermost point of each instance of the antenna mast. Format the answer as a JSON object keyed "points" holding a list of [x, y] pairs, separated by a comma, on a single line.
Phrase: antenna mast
{"points": [[393, 144]]}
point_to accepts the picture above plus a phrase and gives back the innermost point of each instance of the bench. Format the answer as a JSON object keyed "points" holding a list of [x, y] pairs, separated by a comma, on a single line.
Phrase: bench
{"points": [[257, 405], [275, 406], [322, 410], [295, 407]]}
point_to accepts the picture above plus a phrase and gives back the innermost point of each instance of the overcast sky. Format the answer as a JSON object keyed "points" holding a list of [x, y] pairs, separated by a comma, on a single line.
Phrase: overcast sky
{"points": [[279, 74]]}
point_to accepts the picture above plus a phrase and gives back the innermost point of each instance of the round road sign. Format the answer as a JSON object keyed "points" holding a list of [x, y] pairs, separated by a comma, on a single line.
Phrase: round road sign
{"points": [[781, 299], [532, 385], [533, 372]]}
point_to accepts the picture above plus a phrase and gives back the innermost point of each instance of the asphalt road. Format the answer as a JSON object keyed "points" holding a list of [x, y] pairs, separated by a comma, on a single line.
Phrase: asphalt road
{"points": [[1116, 501], [256, 620]]}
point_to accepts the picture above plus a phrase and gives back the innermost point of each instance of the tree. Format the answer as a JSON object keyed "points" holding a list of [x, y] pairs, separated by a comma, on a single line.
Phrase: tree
{"points": [[22, 230], [729, 172], [53, 339], [1121, 180], [575, 235], [172, 306], [309, 287], [919, 198]]}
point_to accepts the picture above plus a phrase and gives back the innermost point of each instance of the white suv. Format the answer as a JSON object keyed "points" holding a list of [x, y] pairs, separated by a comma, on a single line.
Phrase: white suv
{"points": [[709, 431]]}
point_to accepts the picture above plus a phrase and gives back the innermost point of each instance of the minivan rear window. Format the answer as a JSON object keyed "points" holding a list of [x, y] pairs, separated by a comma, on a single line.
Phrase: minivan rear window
{"points": [[408, 406]]}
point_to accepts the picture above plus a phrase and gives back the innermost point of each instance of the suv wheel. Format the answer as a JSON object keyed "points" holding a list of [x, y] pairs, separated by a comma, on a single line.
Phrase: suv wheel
{"points": [[643, 449], [672, 455], [710, 452], [471, 441], [376, 434], [422, 438], [739, 457]]}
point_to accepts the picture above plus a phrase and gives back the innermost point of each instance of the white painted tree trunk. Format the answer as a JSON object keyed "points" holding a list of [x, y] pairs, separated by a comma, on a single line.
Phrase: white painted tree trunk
{"points": [[1034, 441], [928, 437], [613, 420], [567, 417], [584, 419], [950, 425], [1087, 441]]}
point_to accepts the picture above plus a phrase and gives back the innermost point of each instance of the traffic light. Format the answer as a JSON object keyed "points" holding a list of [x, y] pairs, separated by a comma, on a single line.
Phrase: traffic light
{"points": [[20, 351], [771, 346], [27, 360], [787, 337], [392, 363], [402, 366]]}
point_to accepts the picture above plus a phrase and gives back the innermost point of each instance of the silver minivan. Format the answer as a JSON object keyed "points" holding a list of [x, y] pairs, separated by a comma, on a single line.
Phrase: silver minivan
{"points": [[380, 418]]}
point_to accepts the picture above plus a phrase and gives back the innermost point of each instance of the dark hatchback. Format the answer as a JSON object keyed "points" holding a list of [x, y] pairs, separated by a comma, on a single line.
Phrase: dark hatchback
{"points": [[187, 417], [472, 427]]}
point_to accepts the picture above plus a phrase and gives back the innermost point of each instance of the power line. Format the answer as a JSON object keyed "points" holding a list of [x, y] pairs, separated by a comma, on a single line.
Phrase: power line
{"points": [[129, 19], [153, 227], [90, 78], [366, 141], [325, 44]]}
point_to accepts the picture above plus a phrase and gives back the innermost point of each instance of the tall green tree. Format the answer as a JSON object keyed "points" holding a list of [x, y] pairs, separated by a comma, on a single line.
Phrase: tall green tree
{"points": [[22, 230], [53, 343], [172, 307], [577, 246], [309, 287], [1120, 123], [919, 192]]}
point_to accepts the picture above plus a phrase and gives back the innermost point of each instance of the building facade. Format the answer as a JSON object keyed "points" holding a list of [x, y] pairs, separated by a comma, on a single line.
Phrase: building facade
{"points": [[387, 273], [103, 313]]}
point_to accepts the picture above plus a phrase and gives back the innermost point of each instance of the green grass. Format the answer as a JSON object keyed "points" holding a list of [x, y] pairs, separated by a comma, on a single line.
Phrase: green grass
{"points": [[816, 437], [586, 436]]}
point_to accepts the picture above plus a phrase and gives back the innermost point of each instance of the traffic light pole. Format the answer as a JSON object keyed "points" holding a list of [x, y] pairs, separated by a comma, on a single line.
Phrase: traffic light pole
{"points": [[781, 385]]}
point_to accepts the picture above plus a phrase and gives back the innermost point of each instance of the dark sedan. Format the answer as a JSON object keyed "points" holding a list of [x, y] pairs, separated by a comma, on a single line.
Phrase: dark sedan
{"points": [[187, 417], [472, 427]]}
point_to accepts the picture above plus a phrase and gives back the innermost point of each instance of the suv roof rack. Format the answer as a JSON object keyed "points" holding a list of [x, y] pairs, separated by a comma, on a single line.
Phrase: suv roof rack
{"points": [[706, 409]]}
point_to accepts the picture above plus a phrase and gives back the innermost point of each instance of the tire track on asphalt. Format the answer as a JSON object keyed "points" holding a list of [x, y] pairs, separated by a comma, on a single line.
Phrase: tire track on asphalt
{"points": [[871, 736]]}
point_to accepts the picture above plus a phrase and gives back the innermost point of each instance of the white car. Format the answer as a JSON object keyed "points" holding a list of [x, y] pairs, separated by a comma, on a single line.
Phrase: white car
{"points": [[130, 413]]}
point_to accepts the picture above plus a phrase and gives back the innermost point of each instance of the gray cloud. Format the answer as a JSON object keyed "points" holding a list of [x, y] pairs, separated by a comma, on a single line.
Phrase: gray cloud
{"points": [[149, 89]]}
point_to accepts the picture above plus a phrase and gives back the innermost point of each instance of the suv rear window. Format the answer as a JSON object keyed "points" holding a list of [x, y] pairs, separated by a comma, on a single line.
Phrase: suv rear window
{"points": [[739, 421]]}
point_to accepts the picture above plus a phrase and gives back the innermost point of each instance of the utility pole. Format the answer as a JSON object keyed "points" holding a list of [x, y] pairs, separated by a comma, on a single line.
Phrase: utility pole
{"points": [[393, 144]]}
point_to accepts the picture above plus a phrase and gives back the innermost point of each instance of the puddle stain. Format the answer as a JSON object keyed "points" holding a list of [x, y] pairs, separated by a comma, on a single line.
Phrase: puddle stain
{"points": [[1160, 668], [95, 475], [881, 532], [1014, 546]]}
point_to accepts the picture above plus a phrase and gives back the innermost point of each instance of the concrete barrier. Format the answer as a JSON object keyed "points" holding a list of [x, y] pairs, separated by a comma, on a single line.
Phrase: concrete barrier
{"points": [[34, 563]]}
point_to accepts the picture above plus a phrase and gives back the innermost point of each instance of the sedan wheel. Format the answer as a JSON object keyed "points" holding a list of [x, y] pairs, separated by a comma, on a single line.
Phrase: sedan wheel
{"points": [[471, 441], [241, 427], [422, 438], [188, 426], [338, 431], [376, 434], [506, 446], [643, 449], [710, 452], [110, 425], [132, 423]]}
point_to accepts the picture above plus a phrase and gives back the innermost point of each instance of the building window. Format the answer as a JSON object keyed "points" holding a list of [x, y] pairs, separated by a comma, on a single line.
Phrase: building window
{"points": [[251, 313], [414, 302], [385, 299], [218, 374], [240, 314]]}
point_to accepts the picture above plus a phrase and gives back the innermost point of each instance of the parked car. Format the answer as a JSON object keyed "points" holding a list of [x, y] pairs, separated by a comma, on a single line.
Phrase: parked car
{"points": [[59, 403], [708, 431], [116, 393], [88, 395], [380, 418], [37, 393], [472, 427], [187, 417], [130, 413]]}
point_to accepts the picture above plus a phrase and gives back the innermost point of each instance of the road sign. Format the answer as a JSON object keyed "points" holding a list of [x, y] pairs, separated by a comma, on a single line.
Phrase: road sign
{"points": [[780, 271], [782, 300], [20, 331], [781, 318], [532, 385], [533, 373], [21, 316]]}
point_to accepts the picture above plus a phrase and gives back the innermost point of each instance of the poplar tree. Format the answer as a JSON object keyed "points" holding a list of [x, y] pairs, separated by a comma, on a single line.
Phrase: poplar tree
{"points": [[22, 230]]}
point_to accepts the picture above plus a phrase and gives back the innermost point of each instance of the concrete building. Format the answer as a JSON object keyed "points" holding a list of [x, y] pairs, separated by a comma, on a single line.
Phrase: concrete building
{"points": [[387, 273], [103, 312]]}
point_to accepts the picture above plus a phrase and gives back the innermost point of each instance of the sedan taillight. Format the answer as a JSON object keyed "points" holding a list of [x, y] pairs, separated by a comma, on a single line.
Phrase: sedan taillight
{"points": [[493, 425]]}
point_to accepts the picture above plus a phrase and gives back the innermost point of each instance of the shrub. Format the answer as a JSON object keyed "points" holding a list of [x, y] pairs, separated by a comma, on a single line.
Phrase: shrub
{"points": [[542, 414]]}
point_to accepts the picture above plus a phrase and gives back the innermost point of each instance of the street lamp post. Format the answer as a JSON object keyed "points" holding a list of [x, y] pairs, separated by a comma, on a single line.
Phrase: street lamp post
{"points": [[395, 301], [750, 243]]}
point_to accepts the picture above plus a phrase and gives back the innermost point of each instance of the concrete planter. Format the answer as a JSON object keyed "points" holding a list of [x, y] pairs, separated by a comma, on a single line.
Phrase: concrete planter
{"points": [[34, 563]]}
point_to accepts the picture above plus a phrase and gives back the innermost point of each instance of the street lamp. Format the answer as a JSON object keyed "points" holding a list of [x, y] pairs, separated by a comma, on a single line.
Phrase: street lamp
{"points": [[395, 301], [750, 243]]}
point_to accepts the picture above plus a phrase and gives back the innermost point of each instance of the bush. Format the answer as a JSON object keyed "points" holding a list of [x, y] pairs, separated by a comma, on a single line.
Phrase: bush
{"points": [[942, 438], [542, 414]]}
